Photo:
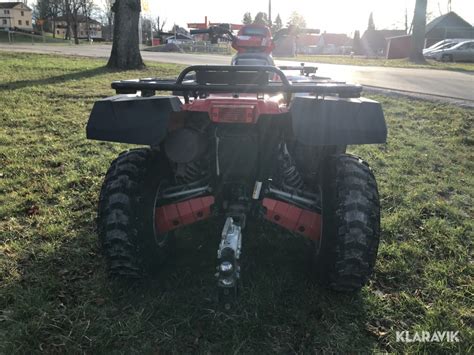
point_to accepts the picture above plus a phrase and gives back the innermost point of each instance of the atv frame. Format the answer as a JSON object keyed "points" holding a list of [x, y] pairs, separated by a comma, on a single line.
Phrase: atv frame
{"points": [[239, 144], [287, 153]]}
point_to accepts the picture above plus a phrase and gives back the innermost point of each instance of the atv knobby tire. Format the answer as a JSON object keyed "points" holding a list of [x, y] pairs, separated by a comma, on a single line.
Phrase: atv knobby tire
{"points": [[346, 253], [126, 214]]}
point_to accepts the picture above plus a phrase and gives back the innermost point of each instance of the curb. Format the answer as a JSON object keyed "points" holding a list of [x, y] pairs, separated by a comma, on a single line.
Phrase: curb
{"points": [[419, 96]]}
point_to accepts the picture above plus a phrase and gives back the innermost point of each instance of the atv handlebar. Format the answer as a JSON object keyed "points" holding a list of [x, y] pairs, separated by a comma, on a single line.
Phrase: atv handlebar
{"points": [[215, 32], [199, 32]]}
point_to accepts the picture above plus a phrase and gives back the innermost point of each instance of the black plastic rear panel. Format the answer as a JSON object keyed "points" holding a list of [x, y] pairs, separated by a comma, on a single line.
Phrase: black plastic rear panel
{"points": [[337, 121], [132, 119]]}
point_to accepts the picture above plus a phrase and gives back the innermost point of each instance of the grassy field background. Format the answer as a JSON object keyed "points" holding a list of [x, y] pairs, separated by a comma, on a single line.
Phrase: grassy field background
{"points": [[19, 37], [55, 296]]}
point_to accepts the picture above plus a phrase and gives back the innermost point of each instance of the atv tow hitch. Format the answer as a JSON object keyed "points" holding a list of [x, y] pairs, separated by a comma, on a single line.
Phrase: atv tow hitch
{"points": [[228, 269]]}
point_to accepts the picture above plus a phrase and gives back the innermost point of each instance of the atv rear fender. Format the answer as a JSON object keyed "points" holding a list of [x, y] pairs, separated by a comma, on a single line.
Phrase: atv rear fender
{"points": [[337, 121], [315, 121], [132, 119]]}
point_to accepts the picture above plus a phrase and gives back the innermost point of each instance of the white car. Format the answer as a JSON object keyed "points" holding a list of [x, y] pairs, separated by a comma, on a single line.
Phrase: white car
{"points": [[444, 42], [431, 53], [461, 52]]}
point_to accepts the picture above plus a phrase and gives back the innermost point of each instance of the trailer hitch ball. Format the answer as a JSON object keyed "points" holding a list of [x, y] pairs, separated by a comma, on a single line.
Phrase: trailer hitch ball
{"points": [[226, 267]]}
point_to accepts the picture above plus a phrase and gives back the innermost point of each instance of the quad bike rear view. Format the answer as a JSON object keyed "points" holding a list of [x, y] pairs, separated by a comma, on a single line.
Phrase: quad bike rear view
{"points": [[240, 143]]}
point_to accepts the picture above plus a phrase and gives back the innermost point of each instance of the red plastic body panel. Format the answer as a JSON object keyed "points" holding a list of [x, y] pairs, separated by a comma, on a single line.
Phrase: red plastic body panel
{"points": [[293, 218], [244, 109], [170, 217]]}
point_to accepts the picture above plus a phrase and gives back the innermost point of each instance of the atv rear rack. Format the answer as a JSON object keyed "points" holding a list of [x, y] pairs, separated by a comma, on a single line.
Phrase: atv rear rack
{"points": [[234, 79]]}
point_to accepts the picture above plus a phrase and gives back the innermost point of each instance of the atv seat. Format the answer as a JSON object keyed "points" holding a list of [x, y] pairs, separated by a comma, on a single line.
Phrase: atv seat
{"points": [[253, 59], [219, 77]]}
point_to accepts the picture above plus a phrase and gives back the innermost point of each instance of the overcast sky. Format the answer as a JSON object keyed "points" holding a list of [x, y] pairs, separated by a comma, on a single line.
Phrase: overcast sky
{"points": [[328, 15]]}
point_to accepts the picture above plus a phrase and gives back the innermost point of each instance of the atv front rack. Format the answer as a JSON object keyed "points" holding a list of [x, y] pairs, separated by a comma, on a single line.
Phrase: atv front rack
{"points": [[234, 79]]}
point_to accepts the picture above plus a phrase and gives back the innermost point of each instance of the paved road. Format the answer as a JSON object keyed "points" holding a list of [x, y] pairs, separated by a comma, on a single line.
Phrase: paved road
{"points": [[445, 83]]}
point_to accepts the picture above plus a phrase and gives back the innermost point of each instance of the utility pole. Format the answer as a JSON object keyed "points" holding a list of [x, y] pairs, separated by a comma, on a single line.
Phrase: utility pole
{"points": [[270, 12], [151, 31], [406, 21], [140, 33]]}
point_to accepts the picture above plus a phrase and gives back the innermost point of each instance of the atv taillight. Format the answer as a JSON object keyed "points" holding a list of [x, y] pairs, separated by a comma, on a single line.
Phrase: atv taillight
{"points": [[233, 113]]}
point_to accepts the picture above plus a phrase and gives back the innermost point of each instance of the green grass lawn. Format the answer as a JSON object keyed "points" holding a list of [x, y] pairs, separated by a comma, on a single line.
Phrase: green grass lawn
{"points": [[19, 37], [55, 296], [396, 63]]}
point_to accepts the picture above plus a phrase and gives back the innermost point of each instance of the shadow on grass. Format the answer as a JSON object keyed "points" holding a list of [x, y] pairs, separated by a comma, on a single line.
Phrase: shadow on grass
{"points": [[64, 302], [85, 74]]}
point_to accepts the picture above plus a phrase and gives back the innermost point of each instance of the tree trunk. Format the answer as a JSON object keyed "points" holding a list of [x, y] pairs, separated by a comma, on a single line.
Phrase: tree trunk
{"points": [[67, 34], [76, 35], [125, 48], [419, 32], [111, 27], [75, 28]]}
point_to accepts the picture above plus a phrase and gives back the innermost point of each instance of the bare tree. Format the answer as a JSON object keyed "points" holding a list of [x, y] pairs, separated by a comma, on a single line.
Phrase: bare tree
{"points": [[54, 12], [66, 10], [75, 7], [149, 28], [297, 20], [247, 20], [419, 32], [261, 19], [87, 6], [48, 11], [277, 25], [125, 48], [371, 24], [109, 15], [357, 47], [161, 24]]}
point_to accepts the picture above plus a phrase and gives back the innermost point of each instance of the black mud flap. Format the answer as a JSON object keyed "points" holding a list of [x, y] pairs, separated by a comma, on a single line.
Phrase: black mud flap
{"points": [[132, 119], [337, 121]]}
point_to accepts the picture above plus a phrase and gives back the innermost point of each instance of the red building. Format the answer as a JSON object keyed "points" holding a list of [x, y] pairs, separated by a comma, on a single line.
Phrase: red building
{"points": [[398, 47]]}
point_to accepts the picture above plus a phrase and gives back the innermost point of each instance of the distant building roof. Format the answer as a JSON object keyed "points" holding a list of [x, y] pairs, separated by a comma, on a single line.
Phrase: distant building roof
{"points": [[308, 40], [11, 5], [447, 20], [336, 39], [392, 33], [450, 25]]}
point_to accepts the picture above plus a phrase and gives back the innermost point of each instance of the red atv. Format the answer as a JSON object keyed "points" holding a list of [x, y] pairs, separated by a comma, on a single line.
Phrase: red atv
{"points": [[240, 143]]}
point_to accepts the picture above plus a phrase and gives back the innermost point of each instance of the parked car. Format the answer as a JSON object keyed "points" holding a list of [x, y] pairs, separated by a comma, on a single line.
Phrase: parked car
{"points": [[461, 52], [444, 42], [431, 53]]}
